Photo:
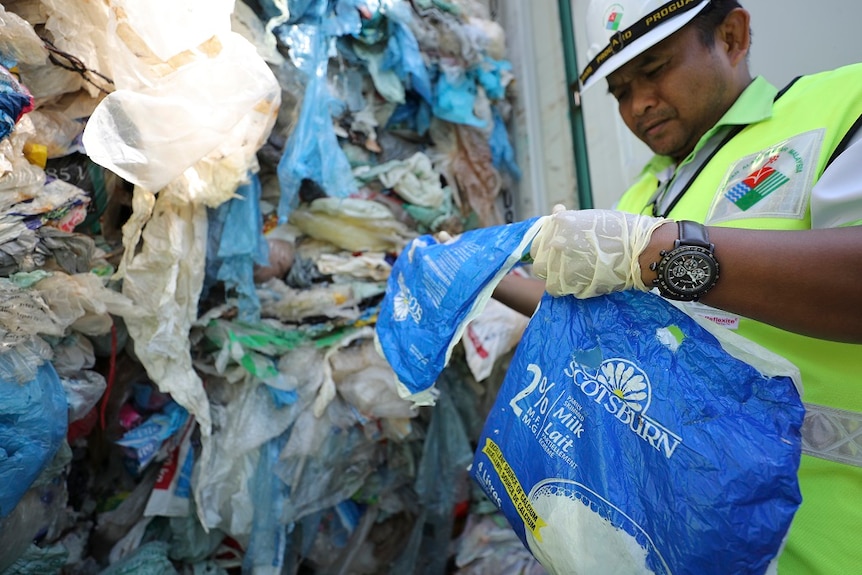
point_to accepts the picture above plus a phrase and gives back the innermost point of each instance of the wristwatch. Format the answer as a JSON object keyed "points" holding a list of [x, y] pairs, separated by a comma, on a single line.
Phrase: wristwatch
{"points": [[690, 269]]}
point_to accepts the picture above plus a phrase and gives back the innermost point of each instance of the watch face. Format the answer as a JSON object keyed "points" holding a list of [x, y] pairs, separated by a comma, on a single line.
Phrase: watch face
{"points": [[687, 272]]}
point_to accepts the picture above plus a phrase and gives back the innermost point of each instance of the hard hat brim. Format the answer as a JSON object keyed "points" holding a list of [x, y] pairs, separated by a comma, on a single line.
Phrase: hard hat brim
{"points": [[641, 45]]}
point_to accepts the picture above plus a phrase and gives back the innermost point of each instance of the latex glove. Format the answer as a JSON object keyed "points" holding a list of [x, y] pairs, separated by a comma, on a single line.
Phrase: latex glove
{"points": [[587, 253]]}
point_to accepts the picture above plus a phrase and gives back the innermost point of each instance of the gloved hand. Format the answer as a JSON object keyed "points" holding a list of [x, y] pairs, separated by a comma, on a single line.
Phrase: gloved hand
{"points": [[587, 253]]}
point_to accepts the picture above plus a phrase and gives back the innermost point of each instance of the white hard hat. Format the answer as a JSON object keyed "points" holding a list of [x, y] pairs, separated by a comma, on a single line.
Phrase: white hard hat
{"points": [[619, 30]]}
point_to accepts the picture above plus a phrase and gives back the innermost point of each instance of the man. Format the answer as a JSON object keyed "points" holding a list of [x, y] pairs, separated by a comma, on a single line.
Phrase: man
{"points": [[777, 179]]}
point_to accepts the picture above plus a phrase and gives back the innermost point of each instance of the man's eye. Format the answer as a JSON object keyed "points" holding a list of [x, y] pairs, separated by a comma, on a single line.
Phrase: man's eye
{"points": [[653, 72], [621, 95], [618, 93]]}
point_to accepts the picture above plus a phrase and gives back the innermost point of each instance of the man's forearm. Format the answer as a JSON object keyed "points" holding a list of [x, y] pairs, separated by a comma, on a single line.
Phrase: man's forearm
{"points": [[809, 282], [522, 294]]}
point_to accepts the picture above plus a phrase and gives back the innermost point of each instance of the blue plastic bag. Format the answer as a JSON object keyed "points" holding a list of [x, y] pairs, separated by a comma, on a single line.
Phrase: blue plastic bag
{"points": [[236, 243], [434, 290], [312, 151], [403, 55], [33, 424], [455, 96], [490, 76], [625, 439], [502, 152], [628, 437]]}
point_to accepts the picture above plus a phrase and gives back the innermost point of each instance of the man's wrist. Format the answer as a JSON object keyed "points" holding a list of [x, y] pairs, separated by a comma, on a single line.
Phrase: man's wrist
{"points": [[662, 238]]}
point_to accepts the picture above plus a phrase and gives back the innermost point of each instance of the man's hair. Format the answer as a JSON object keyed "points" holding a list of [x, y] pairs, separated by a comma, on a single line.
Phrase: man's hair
{"points": [[711, 17]]}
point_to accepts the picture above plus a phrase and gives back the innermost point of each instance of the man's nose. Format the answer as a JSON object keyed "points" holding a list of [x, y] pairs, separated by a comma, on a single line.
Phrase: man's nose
{"points": [[643, 98]]}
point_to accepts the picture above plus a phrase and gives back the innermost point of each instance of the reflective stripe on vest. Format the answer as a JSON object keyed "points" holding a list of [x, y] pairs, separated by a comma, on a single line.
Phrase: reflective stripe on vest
{"points": [[832, 434]]}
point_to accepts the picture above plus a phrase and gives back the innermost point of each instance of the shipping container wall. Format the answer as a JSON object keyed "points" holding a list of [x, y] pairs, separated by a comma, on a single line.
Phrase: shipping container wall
{"points": [[540, 126]]}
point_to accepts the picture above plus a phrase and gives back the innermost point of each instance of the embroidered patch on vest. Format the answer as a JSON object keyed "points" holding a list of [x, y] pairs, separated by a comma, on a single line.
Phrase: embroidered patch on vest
{"points": [[773, 183]]}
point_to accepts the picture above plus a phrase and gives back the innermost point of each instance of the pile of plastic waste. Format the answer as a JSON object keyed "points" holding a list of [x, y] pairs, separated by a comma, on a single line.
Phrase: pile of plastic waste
{"points": [[201, 203]]}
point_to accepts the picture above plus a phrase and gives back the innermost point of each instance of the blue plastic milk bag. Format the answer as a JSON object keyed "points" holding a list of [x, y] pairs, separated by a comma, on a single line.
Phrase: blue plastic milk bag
{"points": [[434, 290], [626, 440]]}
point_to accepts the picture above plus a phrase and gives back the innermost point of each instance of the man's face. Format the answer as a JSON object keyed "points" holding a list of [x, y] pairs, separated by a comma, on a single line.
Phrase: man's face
{"points": [[670, 95]]}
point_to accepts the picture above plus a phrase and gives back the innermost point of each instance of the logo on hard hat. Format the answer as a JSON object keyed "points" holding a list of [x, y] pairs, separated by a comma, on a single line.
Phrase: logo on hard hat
{"points": [[614, 17]]}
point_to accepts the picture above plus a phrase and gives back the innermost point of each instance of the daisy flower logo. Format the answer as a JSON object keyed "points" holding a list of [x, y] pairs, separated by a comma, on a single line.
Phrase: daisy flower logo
{"points": [[625, 380], [404, 304]]}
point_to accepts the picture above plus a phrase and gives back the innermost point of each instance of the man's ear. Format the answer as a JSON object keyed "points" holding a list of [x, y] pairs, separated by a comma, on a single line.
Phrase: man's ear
{"points": [[734, 34]]}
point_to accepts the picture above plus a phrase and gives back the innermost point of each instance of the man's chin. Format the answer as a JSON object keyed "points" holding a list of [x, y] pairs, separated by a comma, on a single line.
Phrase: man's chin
{"points": [[662, 147]]}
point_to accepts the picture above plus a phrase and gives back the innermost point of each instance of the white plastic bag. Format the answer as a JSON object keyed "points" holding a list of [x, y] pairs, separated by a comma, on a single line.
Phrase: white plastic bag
{"points": [[187, 88]]}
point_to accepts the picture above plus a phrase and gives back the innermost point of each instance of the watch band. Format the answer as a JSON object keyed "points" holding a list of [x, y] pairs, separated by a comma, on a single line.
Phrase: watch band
{"points": [[693, 234]]}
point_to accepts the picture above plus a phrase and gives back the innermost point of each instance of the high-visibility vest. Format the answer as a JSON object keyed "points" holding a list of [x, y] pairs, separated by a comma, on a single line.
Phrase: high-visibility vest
{"points": [[761, 178]]}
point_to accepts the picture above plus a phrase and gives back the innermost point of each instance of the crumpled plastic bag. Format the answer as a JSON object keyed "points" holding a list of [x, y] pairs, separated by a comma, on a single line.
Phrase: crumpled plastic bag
{"points": [[144, 442], [402, 53], [494, 333], [341, 300], [84, 302], [620, 414], [163, 119], [386, 81], [488, 546], [33, 425], [413, 179], [15, 101], [502, 152], [20, 181], [435, 289], [246, 418], [365, 381], [455, 97], [41, 305], [19, 41], [352, 224], [326, 459], [236, 245], [463, 155], [312, 150], [164, 277], [345, 267], [151, 558]]}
